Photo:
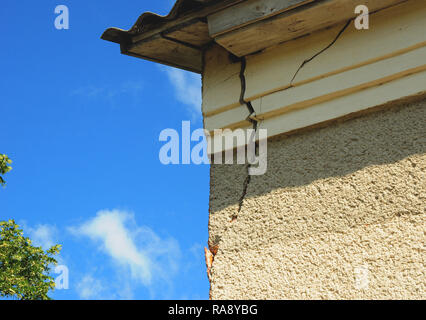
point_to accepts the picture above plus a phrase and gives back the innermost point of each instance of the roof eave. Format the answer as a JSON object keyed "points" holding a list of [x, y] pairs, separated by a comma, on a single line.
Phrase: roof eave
{"points": [[154, 30]]}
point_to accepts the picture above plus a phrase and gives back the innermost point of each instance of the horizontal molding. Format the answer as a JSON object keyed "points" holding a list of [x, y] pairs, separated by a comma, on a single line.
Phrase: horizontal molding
{"points": [[340, 85], [337, 84], [341, 93], [223, 119], [360, 101], [322, 76], [393, 48], [344, 106], [391, 32], [342, 70]]}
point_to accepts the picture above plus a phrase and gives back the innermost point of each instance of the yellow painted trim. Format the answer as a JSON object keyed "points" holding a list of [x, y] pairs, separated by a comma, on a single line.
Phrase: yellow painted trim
{"points": [[221, 110], [328, 97], [335, 72], [322, 76], [341, 93]]}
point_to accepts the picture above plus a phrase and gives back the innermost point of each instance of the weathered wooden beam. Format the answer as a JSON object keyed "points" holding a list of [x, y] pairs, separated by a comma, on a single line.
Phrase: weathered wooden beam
{"points": [[248, 12], [194, 33], [196, 14], [294, 23], [167, 51]]}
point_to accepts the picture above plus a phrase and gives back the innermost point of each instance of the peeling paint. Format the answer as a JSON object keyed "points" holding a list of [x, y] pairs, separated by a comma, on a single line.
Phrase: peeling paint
{"points": [[209, 262]]}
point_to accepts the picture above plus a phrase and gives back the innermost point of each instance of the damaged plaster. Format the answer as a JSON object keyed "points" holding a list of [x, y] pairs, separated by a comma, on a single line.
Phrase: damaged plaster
{"points": [[333, 199]]}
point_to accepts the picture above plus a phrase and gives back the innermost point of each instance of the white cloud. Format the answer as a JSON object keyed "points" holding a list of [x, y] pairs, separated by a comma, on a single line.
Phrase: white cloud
{"points": [[137, 250], [90, 288], [111, 93], [187, 87], [43, 235]]}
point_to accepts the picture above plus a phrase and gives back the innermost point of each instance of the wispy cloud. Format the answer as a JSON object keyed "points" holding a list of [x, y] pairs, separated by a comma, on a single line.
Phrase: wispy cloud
{"points": [[45, 236], [90, 288], [136, 250], [187, 88], [111, 93], [108, 228], [42, 235]]}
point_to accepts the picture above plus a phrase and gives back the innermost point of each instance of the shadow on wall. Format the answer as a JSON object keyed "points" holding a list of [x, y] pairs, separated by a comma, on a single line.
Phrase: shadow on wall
{"points": [[375, 138]]}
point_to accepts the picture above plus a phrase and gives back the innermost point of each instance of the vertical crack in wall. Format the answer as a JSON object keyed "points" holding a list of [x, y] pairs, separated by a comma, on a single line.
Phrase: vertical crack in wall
{"points": [[320, 52], [243, 87], [252, 114], [243, 195], [212, 249], [252, 119], [211, 252]]}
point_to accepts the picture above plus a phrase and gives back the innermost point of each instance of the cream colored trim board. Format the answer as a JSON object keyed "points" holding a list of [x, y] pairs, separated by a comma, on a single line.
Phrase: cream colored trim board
{"points": [[345, 69], [325, 89], [341, 93], [393, 31], [410, 85], [322, 76], [221, 110], [221, 81], [347, 93], [394, 48], [341, 84], [360, 101], [223, 119]]}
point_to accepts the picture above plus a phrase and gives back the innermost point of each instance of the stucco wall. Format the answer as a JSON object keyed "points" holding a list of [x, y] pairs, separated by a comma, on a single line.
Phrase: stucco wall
{"points": [[340, 214]]}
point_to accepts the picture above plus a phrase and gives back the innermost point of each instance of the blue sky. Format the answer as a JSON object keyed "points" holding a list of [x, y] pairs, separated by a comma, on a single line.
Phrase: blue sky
{"points": [[81, 123]]}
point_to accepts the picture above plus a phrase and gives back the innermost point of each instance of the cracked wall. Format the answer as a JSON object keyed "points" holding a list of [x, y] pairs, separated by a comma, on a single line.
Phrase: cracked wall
{"points": [[335, 200], [325, 75], [341, 201]]}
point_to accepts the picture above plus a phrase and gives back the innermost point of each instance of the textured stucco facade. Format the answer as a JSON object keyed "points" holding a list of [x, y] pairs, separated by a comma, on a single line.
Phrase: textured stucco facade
{"points": [[340, 213]]}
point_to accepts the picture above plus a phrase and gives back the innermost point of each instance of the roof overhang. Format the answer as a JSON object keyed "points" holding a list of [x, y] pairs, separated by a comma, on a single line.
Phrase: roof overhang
{"points": [[177, 39], [242, 27]]}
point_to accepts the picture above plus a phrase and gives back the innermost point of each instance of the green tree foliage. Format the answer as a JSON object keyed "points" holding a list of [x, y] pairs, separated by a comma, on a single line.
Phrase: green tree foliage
{"points": [[24, 269], [4, 167]]}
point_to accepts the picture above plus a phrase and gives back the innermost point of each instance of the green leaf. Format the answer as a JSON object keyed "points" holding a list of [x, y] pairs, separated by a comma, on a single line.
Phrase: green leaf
{"points": [[24, 269], [4, 167]]}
